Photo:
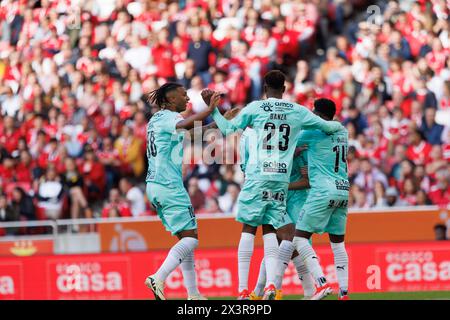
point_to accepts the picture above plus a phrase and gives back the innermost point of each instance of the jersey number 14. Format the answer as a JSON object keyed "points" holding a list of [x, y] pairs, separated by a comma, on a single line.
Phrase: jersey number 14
{"points": [[340, 157]]}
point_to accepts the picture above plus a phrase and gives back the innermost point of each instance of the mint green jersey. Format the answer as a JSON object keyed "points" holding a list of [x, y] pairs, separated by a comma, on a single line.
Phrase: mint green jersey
{"points": [[295, 198], [327, 160], [298, 162], [164, 148], [244, 148], [276, 126]]}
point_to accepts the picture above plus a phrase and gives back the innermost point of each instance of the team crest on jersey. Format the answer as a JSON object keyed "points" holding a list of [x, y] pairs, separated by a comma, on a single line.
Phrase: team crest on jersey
{"points": [[157, 115], [266, 106]]}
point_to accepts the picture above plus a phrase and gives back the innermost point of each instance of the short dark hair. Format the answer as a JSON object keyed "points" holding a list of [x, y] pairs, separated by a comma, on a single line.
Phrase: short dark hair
{"points": [[325, 107], [420, 134], [159, 96], [275, 79]]}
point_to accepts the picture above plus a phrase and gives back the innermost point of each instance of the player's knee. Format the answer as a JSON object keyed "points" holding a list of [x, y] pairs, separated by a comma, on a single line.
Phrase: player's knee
{"points": [[249, 229], [188, 234], [286, 232], [303, 234], [300, 242], [191, 242], [267, 228], [336, 238]]}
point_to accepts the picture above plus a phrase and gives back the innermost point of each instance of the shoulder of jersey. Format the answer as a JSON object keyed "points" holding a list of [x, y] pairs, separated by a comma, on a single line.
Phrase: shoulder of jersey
{"points": [[156, 116], [343, 130]]}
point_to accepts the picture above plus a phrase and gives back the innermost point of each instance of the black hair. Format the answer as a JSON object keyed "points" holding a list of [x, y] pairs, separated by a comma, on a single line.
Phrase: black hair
{"points": [[420, 134], [158, 96], [275, 79], [22, 192], [325, 107]]}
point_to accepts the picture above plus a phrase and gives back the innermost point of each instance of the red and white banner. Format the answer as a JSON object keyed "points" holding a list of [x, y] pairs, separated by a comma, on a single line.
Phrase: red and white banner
{"points": [[373, 268]]}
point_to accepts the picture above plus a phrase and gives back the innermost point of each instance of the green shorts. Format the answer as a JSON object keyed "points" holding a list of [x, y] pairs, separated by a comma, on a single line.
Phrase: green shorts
{"points": [[173, 206], [324, 212], [294, 204], [262, 202]]}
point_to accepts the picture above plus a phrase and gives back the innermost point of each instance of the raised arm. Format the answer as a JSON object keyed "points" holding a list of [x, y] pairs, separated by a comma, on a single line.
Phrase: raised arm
{"points": [[226, 126], [188, 123], [312, 121]]}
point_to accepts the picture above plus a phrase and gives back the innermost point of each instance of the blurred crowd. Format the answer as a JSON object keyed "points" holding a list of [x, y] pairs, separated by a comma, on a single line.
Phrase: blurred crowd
{"points": [[74, 74]]}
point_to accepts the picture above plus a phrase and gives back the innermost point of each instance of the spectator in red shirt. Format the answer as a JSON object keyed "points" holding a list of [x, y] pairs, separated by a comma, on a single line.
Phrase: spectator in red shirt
{"points": [[140, 127], [25, 167], [50, 154], [211, 206], [409, 191], [116, 206], [94, 176], [109, 158], [9, 138], [6, 170], [422, 198], [162, 55], [287, 49], [418, 150], [196, 195], [440, 192]]}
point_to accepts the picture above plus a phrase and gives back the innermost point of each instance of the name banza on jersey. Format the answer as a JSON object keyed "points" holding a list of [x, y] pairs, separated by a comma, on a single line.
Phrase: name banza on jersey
{"points": [[164, 148], [327, 160], [276, 125]]}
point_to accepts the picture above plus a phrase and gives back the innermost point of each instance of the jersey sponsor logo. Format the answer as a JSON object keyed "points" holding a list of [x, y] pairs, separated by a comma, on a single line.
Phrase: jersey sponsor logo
{"points": [[277, 196], [157, 115], [150, 174], [338, 204], [340, 140], [266, 106], [277, 116], [300, 216], [342, 185], [284, 104], [274, 167]]}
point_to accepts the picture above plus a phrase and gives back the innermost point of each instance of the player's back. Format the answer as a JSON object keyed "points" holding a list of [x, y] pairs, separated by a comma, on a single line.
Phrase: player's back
{"points": [[327, 160], [164, 148], [276, 125]]}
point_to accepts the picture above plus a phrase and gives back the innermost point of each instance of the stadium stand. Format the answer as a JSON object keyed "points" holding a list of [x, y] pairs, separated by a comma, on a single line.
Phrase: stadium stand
{"points": [[74, 74]]}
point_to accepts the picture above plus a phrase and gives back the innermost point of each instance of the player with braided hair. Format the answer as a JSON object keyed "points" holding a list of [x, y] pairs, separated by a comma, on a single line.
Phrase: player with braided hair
{"points": [[165, 188]]}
